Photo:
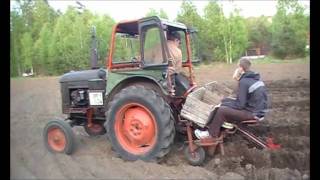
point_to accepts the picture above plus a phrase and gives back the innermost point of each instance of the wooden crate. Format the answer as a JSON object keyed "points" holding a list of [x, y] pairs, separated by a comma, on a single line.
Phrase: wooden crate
{"points": [[202, 102]]}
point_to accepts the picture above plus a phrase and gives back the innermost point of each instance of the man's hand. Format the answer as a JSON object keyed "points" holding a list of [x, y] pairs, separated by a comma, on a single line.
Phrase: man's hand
{"points": [[237, 74]]}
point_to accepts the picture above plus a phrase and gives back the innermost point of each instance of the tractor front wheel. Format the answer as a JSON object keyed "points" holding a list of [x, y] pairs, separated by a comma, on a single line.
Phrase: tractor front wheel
{"points": [[139, 124], [59, 137]]}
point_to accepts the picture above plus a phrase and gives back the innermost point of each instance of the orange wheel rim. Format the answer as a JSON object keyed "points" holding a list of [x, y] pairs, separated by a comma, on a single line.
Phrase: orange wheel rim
{"points": [[56, 139], [135, 128]]}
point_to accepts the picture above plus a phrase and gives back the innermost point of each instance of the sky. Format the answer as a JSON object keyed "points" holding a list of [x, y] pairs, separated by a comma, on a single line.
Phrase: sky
{"points": [[122, 10]]}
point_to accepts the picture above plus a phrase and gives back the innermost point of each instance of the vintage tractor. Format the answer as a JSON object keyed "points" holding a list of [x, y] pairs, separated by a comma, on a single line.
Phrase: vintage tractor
{"points": [[137, 102], [134, 100]]}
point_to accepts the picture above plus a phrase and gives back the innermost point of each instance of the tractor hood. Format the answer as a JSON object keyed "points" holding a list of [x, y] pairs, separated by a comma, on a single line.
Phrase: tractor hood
{"points": [[84, 75]]}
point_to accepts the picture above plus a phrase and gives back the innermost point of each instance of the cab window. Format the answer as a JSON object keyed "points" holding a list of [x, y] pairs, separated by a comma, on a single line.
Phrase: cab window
{"points": [[126, 48], [152, 47]]}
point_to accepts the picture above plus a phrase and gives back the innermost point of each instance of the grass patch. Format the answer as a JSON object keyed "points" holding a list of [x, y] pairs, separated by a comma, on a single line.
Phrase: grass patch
{"points": [[272, 60], [17, 78], [212, 64], [265, 60]]}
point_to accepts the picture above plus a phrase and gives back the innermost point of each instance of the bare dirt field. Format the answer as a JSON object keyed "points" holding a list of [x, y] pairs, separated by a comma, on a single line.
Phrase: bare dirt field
{"points": [[36, 101]]}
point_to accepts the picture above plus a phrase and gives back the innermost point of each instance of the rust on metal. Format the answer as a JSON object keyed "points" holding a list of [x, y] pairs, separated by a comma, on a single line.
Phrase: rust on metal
{"points": [[89, 117], [189, 63], [190, 140], [109, 60]]}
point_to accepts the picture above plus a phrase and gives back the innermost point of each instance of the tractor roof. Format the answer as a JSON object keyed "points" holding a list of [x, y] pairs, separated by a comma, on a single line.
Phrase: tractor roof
{"points": [[176, 25], [131, 26]]}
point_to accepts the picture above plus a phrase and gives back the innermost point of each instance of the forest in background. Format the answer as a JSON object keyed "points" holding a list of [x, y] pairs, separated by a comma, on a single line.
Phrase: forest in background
{"points": [[52, 43]]}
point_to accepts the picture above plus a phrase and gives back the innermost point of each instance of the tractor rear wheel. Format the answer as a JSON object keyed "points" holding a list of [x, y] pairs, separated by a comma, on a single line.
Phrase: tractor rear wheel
{"points": [[139, 124], [59, 137]]}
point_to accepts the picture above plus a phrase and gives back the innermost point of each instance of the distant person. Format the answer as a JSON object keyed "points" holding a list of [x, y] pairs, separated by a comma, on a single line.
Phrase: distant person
{"points": [[250, 103]]}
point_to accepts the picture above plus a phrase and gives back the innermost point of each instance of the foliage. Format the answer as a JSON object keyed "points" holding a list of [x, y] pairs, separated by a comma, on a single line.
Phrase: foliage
{"points": [[190, 17], [16, 30], [259, 31], [290, 27], [221, 37], [236, 37], [274, 60], [161, 13], [26, 50], [52, 43]]}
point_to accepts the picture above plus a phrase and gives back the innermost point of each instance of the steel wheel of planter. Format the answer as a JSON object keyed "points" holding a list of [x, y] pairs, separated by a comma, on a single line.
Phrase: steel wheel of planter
{"points": [[196, 158]]}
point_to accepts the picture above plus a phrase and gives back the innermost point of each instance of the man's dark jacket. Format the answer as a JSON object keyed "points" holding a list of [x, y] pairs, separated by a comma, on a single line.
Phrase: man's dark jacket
{"points": [[251, 95]]}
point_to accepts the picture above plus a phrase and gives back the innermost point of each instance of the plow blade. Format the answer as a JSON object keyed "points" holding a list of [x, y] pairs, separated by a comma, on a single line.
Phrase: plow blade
{"points": [[263, 144]]}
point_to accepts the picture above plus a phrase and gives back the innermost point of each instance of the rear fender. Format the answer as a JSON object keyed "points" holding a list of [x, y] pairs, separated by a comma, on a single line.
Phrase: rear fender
{"points": [[146, 81]]}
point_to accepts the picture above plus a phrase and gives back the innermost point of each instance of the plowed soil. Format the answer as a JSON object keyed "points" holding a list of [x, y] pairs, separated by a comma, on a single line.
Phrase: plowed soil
{"points": [[36, 101]]}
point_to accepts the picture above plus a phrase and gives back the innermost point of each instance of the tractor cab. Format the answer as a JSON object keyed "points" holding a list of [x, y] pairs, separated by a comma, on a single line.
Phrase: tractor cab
{"points": [[140, 47]]}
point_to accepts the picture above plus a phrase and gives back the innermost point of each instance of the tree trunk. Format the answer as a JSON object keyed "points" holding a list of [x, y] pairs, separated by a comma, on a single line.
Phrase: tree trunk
{"points": [[225, 48], [230, 50]]}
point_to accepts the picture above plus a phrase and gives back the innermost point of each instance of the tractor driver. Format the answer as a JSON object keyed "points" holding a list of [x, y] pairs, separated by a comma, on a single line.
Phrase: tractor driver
{"points": [[173, 43], [250, 103], [182, 82], [154, 56]]}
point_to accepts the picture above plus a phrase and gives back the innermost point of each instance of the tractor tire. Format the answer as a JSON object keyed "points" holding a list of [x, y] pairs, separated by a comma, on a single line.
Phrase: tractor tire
{"points": [[96, 130], [198, 158], [140, 124], [58, 137]]}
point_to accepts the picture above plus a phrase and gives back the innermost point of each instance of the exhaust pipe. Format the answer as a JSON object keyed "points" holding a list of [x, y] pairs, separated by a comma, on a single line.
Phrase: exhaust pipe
{"points": [[94, 51]]}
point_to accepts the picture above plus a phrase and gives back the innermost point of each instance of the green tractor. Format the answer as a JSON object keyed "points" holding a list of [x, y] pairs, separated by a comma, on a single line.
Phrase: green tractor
{"points": [[136, 102]]}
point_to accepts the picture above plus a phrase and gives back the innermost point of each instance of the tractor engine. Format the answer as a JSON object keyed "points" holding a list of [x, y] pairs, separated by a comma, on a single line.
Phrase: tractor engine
{"points": [[79, 98], [83, 89]]}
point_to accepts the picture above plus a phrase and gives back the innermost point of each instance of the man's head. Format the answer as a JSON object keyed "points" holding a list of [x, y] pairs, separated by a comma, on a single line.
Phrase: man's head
{"points": [[245, 64], [175, 37]]}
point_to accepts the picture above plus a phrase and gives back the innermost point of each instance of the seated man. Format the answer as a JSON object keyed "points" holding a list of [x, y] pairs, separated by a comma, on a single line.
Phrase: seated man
{"points": [[251, 101]]}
